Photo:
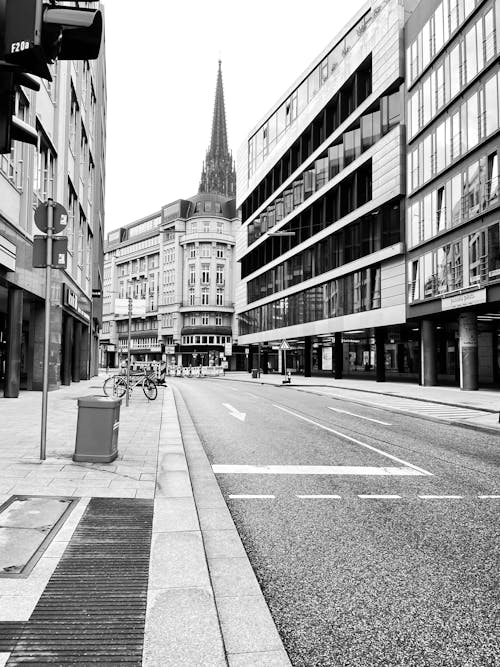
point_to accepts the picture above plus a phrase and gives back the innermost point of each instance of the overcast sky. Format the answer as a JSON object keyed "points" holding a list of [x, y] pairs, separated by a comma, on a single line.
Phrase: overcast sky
{"points": [[162, 59]]}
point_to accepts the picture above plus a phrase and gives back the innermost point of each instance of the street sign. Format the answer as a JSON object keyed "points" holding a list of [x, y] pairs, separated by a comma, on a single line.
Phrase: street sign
{"points": [[60, 220], [138, 307], [96, 293], [59, 252], [284, 345]]}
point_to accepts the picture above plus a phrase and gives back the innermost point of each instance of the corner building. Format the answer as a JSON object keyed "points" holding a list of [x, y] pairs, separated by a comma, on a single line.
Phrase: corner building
{"points": [[321, 187], [453, 234]]}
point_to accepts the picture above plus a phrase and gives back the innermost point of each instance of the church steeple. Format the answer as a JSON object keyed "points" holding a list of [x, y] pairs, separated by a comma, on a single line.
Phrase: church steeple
{"points": [[218, 174]]}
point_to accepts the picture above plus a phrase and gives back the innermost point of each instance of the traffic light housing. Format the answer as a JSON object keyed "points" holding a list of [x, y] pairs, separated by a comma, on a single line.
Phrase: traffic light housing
{"points": [[34, 34]]}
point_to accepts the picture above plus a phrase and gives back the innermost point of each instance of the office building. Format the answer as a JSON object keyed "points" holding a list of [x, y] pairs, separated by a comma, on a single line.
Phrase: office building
{"points": [[453, 236], [321, 185], [69, 114]]}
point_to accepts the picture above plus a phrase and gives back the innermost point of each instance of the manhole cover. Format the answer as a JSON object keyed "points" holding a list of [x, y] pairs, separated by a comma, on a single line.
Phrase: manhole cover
{"points": [[28, 524]]}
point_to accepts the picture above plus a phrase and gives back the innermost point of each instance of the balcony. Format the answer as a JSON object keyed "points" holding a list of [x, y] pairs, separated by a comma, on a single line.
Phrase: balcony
{"points": [[198, 305]]}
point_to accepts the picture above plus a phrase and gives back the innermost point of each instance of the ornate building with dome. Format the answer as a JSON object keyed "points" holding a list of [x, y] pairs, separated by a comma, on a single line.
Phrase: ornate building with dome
{"points": [[181, 261]]}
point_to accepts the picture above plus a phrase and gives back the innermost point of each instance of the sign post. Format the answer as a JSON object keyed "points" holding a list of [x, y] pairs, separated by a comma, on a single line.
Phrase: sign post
{"points": [[50, 218], [127, 395], [284, 346]]}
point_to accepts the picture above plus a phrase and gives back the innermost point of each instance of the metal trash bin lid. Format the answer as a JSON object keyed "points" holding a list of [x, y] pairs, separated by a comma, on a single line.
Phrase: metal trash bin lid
{"points": [[105, 402]]}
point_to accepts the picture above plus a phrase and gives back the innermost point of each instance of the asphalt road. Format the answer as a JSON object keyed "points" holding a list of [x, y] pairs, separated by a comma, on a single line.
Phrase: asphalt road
{"points": [[385, 551]]}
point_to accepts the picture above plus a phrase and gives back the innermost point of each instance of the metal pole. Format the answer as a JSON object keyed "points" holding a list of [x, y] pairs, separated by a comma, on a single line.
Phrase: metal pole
{"points": [[46, 346], [127, 395]]}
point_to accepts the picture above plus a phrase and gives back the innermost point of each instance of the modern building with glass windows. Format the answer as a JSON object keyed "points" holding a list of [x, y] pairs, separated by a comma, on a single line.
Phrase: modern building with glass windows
{"points": [[453, 215], [321, 185], [68, 165]]}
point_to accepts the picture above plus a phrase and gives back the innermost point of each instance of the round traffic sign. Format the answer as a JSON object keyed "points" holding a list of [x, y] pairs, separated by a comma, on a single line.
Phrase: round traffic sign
{"points": [[60, 217]]}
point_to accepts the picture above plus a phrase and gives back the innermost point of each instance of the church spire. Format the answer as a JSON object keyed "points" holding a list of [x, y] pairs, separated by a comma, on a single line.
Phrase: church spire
{"points": [[218, 174]]}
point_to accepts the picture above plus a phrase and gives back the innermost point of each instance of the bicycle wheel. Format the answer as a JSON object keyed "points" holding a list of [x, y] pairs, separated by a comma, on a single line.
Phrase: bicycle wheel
{"points": [[149, 389], [115, 386]]}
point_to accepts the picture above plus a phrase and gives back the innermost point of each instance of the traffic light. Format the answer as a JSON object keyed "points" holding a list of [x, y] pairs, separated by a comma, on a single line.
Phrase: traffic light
{"points": [[34, 34]]}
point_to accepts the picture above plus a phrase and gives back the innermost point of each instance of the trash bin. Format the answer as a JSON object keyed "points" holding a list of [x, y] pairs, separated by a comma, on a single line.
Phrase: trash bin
{"points": [[254, 373], [97, 429]]}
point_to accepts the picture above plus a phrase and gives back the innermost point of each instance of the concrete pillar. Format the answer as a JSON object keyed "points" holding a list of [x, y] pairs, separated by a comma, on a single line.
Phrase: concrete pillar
{"points": [[14, 336], [85, 354], [264, 361], [307, 356], [468, 358], [339, 355], [67, 350], [428, 353], [77, 342], [380, 354]]}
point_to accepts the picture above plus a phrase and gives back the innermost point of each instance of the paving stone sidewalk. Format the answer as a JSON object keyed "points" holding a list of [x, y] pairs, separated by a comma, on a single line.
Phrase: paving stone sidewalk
{"points": [[204, 605]]}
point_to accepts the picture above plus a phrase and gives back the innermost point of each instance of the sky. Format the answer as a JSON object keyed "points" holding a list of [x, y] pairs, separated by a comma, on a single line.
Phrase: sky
{"points": [[162, 60]]}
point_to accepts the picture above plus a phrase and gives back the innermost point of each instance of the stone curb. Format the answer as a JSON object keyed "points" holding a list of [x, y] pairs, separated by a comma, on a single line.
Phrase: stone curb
{"points": [[249, 634]]}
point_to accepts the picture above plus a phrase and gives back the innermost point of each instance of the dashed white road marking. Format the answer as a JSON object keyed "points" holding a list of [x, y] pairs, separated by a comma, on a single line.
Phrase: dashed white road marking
{"points": [[378, 496], [234, 412], [252, 395], [419, 471], [319, 495], [228, 469], [248, 496], [431, 497], [489, 497], [370, 419]]}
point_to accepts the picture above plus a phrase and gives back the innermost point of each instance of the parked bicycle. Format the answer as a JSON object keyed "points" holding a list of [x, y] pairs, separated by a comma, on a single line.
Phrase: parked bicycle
{"points": [[116, 385]]}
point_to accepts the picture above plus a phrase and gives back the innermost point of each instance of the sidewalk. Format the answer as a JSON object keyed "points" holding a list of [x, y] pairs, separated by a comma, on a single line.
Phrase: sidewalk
{"points": [[485, 401], [204, 605]]}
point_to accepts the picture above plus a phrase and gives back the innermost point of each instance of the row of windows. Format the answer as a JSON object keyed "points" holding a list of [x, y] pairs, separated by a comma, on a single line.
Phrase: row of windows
{"points": [[139, 343], [206, 318], [361, 238], [460, 198], [472, 260], [133, 247], [474, 120], [278, 124], [205, 274], [205, 250], [448, 17], [205, 298], [139, 265], [371, 128], [348, 195], [137, 324], [206, 226], [144, 227], [205, 340], [354, 293], [453, 72], [354, 91]]}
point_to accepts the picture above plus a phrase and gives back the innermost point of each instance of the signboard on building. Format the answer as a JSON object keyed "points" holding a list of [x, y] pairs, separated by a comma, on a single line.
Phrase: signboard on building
{"points": [[169, 349], [326, 358], [138, 307], [75, 304], [463, 300], [228, 349]]}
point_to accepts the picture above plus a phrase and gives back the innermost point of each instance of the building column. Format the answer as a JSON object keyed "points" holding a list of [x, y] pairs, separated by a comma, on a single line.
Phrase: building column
{"points": [[428, 353], [307, 356], [67, 350], [468, 359], [14, 336], [264, 361], [77, 342], [339, 355], [84, 356], [380, 353]]}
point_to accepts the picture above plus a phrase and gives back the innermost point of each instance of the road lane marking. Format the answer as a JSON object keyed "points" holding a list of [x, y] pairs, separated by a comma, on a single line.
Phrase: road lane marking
{"points": [[319, 495], [420, 471], [250, 495], [379, 496], [234, 412], [431, 497], [252, 395], [370, 419], [229, 469], [488, 496]]}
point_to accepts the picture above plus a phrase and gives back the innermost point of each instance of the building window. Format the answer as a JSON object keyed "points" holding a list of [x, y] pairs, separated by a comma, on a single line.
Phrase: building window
{"points": [[205, 249], [220, 274], [193, 320], [220, 227], [205, 273], [206, 225], [194, 227], [192, 274], [220, 297], [218, 320], [192, 252], [204, 297], [205, 318], [191, 297], [220, 252]]}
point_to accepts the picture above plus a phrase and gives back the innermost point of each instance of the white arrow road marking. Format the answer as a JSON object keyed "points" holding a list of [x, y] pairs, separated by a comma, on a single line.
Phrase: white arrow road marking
{"points": [[370, 419], [234, 412], [419, 471]]}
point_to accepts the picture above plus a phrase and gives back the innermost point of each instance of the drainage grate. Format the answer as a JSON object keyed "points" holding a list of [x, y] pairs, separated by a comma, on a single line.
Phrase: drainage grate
{"points": [[93, 608]]}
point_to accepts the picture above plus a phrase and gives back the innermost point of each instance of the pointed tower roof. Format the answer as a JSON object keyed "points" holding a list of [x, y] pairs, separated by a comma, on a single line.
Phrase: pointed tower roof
{"points": [[218, 174]]}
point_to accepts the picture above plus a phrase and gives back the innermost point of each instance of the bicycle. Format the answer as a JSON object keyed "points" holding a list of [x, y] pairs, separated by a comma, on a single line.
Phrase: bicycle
{"points": [[116, 385]]}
